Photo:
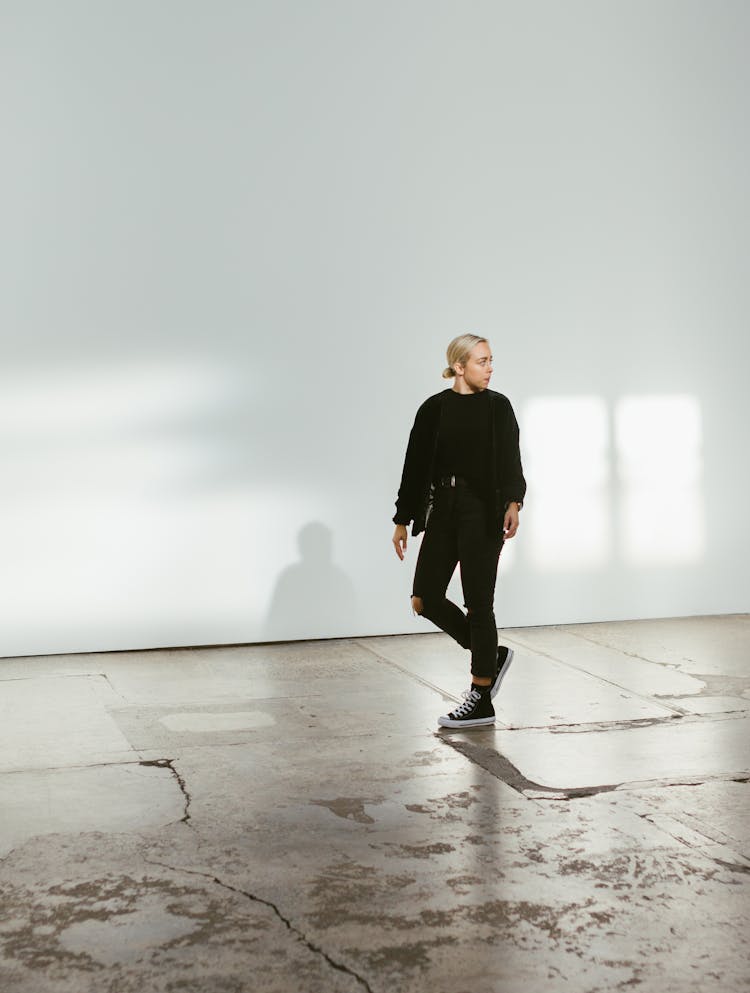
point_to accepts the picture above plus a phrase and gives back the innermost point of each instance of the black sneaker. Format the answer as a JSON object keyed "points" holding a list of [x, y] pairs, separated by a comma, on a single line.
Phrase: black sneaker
{"points": [[504, 659], [475, 711]]}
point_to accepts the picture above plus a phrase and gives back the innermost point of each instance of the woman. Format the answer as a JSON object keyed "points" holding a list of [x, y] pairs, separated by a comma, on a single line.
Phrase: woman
{"points": [[463, 485]]}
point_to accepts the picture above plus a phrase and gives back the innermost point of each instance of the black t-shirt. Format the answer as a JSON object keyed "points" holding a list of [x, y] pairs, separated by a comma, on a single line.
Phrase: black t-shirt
{"points": [[464, 438]]}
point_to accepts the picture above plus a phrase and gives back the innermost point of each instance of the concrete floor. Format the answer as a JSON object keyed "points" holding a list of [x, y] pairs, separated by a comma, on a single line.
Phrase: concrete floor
{"points": [[288, 817]]}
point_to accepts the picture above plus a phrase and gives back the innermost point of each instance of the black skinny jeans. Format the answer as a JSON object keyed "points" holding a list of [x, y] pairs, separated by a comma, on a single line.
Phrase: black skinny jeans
{"points": [[458, 530]]}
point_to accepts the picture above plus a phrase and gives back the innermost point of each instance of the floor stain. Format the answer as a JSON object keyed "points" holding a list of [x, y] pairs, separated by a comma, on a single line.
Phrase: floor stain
{"points": [[631, 870], [38, 939], [346, 892], [405, 957], [420, 851], [444, 808], [350, 808]]}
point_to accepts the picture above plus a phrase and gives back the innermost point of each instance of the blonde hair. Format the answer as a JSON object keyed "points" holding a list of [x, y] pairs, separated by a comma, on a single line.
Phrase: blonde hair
{"points": [[459, 351]]}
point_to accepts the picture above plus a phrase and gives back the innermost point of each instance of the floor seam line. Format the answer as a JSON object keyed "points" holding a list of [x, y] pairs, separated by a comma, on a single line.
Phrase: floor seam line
{"points": [[412, 675], [517, 781], [677, 711], [611, 648]]}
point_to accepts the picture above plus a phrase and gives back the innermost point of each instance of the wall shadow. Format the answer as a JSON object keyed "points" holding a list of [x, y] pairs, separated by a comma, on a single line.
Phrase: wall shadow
{"points": [[313, 596]]}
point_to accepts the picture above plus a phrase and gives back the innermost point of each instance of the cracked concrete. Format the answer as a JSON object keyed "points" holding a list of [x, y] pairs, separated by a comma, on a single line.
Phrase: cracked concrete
{"points": [[169, 764], [284, 920], [287, 817]]}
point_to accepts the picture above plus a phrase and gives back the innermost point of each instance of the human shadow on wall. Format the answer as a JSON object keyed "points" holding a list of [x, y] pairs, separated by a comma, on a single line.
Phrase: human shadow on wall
{"points": [[312, 598]]}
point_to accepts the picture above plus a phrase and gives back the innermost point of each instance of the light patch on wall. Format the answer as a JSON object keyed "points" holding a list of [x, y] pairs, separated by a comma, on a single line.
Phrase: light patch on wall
{"points": [[659, 467], [566, 450]]}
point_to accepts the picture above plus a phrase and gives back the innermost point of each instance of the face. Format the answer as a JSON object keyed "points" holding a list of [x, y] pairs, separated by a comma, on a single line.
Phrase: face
{"points": [[478, 368]]}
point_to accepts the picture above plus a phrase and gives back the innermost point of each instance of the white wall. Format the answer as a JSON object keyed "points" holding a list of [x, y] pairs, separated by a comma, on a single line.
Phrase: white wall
{"points": [[236, 240]]}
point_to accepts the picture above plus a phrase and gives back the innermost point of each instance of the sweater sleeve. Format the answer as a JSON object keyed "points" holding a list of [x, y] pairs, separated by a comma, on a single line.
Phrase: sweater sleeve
{"points": [[514, 481], [416, 448]]}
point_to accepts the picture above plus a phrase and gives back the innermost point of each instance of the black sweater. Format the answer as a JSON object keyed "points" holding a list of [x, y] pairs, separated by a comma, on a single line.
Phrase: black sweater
{"points": [[430, 448], [463, 447]]}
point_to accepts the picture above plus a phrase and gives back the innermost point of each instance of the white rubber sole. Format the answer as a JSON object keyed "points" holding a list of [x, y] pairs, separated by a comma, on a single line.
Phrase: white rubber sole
{"points": [[446, 722]]}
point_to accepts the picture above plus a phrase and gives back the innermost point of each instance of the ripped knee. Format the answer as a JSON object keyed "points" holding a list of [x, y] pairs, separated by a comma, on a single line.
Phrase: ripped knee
{"points": [[417, 605]]}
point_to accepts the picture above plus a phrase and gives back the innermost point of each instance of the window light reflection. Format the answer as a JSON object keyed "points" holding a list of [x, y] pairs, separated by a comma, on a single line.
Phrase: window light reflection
{"points": [[567, 441], [659, 468]]}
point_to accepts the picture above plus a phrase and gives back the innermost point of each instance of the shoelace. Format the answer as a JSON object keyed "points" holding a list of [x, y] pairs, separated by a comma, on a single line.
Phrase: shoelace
{"points": [[470, 698]]}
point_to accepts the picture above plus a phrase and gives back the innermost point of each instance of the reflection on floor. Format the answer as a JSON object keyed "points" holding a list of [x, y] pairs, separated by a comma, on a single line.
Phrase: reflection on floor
{"points": [[288, 817]]}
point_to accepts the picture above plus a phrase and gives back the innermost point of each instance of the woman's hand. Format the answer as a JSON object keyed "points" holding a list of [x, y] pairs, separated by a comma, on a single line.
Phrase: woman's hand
{"points": [[399, 540], [510, 521]]}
